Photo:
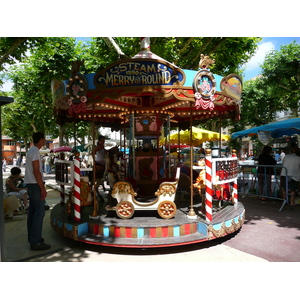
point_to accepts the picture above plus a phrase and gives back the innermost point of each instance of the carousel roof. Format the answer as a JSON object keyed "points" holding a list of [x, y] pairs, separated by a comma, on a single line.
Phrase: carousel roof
{"points": [[146, 84]]}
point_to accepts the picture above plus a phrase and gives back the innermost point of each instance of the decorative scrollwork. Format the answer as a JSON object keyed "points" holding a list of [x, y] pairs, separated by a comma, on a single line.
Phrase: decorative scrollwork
{"points": [[166, 189], [224, 230], [123, 187]]}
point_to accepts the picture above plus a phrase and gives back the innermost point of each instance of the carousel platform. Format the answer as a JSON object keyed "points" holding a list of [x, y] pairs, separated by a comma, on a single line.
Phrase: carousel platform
{"points": [[146, 229]]}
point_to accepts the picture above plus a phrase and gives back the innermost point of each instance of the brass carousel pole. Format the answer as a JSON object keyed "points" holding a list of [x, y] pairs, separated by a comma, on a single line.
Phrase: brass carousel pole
{"points": [[95, 211], [191, 214], [124, 156], [169, 147], [220, 139], [178, 144], [133, 144]]}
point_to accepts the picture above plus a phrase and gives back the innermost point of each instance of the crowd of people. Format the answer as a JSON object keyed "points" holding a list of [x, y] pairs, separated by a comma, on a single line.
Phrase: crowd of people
{"points": [[289, 165]]}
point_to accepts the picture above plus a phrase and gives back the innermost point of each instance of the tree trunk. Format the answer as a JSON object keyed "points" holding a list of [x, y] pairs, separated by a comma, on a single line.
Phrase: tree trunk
{"points": [[61, 136], [12, 49]]}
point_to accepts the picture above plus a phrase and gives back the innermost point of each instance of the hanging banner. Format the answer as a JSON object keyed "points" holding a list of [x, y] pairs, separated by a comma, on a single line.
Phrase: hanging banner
{"points": [[264, 137]]}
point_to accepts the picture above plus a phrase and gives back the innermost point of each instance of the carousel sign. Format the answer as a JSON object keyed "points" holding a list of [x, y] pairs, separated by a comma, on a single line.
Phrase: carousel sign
{"points": [[139, 73]]}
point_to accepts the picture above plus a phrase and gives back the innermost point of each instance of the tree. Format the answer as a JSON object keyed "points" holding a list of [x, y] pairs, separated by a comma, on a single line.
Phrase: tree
{"points": [[281, 71], [15, 49], [230, 53], [32, 81], [276, 89], [51, 58]]}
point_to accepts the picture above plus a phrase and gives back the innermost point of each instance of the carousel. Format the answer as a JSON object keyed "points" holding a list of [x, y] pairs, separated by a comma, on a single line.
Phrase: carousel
{"points": [[151, 201]]}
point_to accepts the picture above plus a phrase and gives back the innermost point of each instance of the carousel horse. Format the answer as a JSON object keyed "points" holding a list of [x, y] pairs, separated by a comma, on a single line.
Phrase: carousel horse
{"points": [[200, 185]]}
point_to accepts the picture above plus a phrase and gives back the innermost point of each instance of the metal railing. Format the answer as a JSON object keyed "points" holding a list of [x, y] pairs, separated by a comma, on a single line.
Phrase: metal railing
{"points": [[262, 181]]}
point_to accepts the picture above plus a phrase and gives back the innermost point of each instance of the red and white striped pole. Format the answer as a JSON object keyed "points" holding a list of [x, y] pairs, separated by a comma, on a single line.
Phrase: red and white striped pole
{"points": [[235, 185], [208, 183], [62, 194], [76, 189], [235, 192]]}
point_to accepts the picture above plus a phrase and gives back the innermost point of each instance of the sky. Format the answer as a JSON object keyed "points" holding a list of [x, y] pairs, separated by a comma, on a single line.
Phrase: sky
{"points": [[252, 68], [266, 45]]}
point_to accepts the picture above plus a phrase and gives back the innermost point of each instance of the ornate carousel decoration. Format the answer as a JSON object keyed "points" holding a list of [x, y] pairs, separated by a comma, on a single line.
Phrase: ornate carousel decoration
{"points": [[76, 90], [204, 85]]}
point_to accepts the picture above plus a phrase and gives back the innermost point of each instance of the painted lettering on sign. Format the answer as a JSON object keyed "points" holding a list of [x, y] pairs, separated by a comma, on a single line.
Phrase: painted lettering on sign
{"points": [[138, 73]]}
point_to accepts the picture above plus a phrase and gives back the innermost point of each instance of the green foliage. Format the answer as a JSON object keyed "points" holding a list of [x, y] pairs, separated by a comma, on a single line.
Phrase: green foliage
{"points": [[44, 59], [31, 91], [281, 71], [13, 49], [277, 89], [230, 53]]}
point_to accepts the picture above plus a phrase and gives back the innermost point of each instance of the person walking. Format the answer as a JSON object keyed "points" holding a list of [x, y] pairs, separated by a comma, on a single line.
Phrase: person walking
{"points": [[4, 164], [47, 164], [34, 181]]}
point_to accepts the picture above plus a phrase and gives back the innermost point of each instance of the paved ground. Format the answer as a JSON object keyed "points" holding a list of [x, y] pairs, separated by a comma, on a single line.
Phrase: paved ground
{"points": [[267, 235]]}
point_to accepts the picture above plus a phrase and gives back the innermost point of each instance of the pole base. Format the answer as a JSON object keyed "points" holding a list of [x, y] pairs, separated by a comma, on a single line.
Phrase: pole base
{"points": [[192, 214]]}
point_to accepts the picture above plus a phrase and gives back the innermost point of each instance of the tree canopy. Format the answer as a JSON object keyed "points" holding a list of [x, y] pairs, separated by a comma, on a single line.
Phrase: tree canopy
{"points": [[281, 71], [230, 53], [15, 49], [276, 89], [44, 59]]}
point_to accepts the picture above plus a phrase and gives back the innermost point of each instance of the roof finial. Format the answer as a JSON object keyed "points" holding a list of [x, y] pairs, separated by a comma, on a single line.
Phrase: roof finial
{"points": [[145, 44]]}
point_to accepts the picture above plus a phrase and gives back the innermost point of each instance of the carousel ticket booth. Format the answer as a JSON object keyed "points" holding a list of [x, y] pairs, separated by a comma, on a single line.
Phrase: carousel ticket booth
{"points": [[142, 96]]}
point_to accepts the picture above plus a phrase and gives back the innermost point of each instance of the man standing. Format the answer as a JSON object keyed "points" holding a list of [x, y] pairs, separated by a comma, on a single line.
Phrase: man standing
{"points": [[37, 193], [291, 166]]}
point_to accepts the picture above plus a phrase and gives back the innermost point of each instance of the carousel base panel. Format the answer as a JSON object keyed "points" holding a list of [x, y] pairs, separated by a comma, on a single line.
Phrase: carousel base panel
{"points": [[146, 229]]}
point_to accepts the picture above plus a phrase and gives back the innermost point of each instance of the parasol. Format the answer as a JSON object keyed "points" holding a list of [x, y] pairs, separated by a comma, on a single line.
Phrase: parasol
{"points": [[199, 136], [80, 148], [277, 129], [44, 151], [62, 149]]}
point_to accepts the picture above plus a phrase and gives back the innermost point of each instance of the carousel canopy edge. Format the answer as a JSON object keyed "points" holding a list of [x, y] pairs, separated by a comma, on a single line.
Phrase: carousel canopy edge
{"points": [[137, 75]]}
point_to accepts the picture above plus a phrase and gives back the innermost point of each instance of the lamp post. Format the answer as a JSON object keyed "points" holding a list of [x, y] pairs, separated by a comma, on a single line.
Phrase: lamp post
{"points": [[3, 101]]}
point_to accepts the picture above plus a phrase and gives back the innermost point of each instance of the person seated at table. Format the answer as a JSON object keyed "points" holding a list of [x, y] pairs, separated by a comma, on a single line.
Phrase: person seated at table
{"points": [[12, 188]]}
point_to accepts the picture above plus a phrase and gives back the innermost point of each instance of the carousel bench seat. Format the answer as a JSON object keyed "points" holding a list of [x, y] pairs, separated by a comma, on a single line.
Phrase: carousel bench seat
{"points": [[125, 195], [124, 191]]}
